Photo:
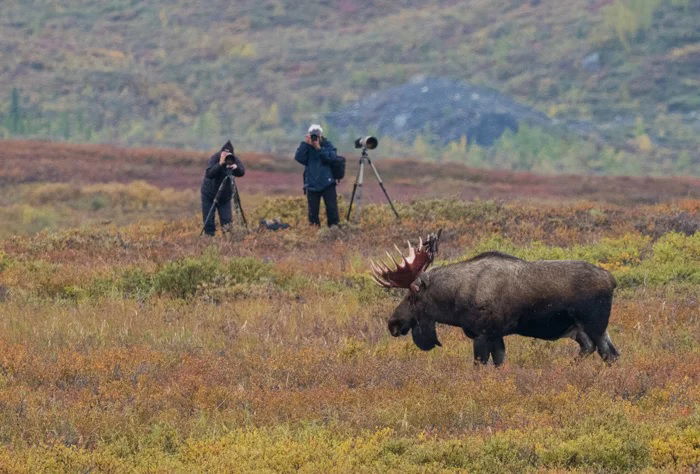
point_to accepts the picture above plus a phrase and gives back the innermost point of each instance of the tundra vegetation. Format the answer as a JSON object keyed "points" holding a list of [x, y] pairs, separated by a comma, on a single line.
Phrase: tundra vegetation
{"points": [[128, 343]]}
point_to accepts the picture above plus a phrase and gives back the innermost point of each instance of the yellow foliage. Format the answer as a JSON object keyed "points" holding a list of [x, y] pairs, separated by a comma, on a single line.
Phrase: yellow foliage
{"points": [[643, 143], [108, 53], [679, 450], [685, 50], [271, 117], [241, 50]]}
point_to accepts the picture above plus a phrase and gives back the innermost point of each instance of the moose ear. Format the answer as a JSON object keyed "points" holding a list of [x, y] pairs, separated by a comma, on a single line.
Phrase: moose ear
{"points": [[420, 284], [424, 335]]}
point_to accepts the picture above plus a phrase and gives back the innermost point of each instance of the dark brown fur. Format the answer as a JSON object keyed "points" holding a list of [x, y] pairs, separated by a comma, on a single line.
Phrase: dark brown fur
{"points": [[494, 295]]}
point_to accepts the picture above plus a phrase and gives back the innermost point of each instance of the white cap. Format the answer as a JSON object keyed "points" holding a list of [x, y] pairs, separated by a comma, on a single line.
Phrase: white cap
{"points": [[316, 128]]}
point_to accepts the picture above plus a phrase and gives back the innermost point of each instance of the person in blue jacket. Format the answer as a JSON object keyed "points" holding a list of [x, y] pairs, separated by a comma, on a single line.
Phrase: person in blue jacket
{"points": [[317, 154], [213, 176]]}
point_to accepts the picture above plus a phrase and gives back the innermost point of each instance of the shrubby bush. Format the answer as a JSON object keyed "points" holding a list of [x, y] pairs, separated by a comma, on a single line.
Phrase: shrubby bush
{"points": [[183, 278], [319, 449], [632, 258], [678, 450], [291, 210]]}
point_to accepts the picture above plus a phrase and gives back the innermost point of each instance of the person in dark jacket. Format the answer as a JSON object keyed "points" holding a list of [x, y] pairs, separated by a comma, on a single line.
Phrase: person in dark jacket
{"points": [[317, 154], [213, 176]]}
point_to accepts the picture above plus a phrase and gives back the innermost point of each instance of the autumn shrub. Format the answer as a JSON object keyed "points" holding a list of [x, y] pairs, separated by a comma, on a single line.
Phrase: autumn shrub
{"points": [[600, 450], [132, 195], [680, 450], [26, 218], [182, 278], [291, 210], [675, 257], [632, 258], [136, 282]]}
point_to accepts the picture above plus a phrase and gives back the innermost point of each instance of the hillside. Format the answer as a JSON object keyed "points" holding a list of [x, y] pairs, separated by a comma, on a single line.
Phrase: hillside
{"points": [[186, 75]]}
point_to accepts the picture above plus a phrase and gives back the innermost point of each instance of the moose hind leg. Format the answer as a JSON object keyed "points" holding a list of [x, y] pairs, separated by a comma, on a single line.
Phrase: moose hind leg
{"points": [[586, 345], [609, 353], [605, 347], [595, 325], [498, 350], [482, 350]]}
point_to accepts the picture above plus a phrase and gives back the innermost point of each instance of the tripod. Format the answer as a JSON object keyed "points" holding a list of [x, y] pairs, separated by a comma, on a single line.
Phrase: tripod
{"points": [[357, 187], [235, 197]]}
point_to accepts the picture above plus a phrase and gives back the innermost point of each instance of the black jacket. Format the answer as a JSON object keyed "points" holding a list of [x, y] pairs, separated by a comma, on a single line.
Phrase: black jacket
{"points": [[317, 164], [215, 174]]}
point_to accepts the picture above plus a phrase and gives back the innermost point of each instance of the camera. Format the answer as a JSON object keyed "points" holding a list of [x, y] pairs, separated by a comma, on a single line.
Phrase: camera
{"points": [[229, 160], [314, 137], [368, 142]]}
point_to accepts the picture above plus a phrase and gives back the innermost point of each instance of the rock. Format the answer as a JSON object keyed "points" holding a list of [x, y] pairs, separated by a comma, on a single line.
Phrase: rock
{"points": [[441, 110], [591, 63]]}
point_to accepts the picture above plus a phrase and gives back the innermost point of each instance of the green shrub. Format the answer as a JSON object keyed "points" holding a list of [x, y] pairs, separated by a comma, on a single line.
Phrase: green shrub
{"points": [[626, 18], [182, 278], [136, 282], [599, 450], [291, 210], [681, 449], [631, 258], [675, 257]]}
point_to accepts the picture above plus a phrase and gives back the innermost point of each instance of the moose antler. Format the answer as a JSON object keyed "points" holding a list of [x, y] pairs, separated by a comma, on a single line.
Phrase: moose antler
{"points": [[410, 267]]}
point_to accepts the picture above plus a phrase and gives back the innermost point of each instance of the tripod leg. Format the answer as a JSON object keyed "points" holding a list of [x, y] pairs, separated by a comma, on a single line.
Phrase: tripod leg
{"points": [[237, 200], [209, 216], [357, 188], [352, 198], [381, 185]]}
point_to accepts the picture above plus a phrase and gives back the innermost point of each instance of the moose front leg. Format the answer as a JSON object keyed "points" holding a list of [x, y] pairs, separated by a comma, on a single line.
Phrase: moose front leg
{"points": [[498, 350], [481, 350], [485, 347]]}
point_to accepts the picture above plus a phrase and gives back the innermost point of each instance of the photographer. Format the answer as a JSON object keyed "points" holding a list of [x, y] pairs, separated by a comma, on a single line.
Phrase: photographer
{"points": [[318, 154], [219, 164]]}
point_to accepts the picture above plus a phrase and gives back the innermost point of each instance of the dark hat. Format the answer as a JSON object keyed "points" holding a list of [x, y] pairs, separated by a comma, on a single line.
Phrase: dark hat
{"points": [[227, 147]]}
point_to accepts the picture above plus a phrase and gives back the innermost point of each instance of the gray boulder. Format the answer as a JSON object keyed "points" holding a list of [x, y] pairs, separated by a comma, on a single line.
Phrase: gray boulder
{"points": [[444, 110]]}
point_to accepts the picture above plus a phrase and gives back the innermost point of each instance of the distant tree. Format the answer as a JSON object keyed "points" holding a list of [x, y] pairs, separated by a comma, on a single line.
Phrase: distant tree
{"points": [[64, 127], [628, 17], [15, 114]]}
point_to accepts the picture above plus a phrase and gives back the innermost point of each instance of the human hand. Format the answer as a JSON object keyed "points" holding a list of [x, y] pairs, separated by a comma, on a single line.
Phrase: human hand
{"points": [[222, 157], [316, 144]]}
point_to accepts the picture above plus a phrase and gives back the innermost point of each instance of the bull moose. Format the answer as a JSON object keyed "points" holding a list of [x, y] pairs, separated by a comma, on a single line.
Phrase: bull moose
{"points": [[494, 295]]}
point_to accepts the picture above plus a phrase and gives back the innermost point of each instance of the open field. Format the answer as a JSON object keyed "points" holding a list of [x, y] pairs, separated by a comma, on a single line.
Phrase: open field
{"points": [[128, 343]]}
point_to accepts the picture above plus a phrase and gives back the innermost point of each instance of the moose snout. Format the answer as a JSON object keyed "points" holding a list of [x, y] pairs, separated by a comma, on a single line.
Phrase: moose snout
{"points": [[399, 327]]}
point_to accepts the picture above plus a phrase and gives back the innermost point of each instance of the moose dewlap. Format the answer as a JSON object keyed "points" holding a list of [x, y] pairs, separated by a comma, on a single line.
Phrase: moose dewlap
{"points": [[494, 295]]}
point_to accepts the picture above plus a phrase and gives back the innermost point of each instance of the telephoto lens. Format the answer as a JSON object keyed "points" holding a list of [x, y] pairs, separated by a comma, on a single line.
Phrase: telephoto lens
{"points": [[229, 160], [368, 142]]}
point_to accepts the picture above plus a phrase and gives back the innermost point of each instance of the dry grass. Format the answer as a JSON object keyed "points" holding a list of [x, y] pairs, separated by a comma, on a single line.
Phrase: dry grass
{"points": [[141, 347]]}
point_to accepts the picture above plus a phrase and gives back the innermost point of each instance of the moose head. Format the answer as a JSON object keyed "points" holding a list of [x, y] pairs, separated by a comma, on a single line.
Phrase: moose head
{"points": [[409, 273]]}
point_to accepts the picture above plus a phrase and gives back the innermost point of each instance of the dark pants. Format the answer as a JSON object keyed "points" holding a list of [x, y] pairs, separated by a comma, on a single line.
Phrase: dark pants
{"points": [[330, 199], [224, 209]]}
